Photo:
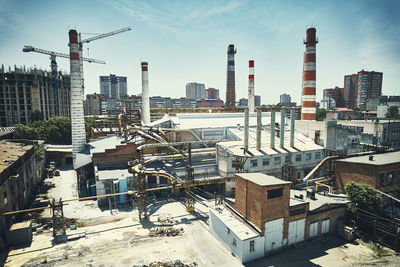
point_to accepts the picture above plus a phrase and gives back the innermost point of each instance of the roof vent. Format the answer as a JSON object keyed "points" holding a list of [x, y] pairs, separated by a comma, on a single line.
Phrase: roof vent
{"points": [[371, 157]]}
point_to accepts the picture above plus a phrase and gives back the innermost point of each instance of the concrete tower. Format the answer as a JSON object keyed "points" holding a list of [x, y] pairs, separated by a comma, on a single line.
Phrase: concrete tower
{"points": [[77, 116], [251, 86], [308, 108], [145, 94], [230, 78]]}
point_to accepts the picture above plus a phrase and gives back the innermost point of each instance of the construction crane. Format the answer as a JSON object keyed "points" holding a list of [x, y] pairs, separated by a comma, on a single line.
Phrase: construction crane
{"points": [[100, 36], [53, 65]]}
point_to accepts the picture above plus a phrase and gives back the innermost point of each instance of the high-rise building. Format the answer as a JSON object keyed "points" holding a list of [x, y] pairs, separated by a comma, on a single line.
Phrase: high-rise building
{"points": [[336, 94], [230, 78], [360, 87], [257, 100], [212, 93], [24, 91], [93, 104], [113, 86], [195, 91], [285, 99]]}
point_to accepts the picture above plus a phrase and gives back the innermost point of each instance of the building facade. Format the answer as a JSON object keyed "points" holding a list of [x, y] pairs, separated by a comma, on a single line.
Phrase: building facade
{"points": [[23, 91], [212, 93], [210, 103], [113, 86], [93, 104], [195, 91]]}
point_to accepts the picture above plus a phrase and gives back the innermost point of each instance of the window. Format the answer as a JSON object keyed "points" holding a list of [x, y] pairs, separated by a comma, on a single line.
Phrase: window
{"points": [[298, 157], [317, 155], [277, 160], [390, 178], [265, 162], [5, 198], [251, 245], [308, 156], [288, 159], [274, 193], [234, 242], [233, 164], [382, 179], [254, 163], [298, 175]]}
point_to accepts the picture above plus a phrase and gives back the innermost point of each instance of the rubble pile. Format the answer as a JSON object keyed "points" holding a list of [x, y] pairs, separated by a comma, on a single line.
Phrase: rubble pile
{"points": [[166, 231], [175, 263]]}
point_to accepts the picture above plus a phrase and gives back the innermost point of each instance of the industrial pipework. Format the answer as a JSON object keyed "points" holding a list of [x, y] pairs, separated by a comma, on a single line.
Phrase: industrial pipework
{"points": [[308, 107], [145, 94], [272, 142], [258, 130], [282, 135], [246, 129]]}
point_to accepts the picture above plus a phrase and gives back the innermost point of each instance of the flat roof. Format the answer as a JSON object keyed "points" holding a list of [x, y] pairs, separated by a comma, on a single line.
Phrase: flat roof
{"points": [[240, 228], [378, 159], [10, 152], [319, 201], [113, 174], [262, 179]]}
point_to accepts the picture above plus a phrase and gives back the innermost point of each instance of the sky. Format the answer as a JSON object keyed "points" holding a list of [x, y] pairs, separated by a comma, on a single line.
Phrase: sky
{"points": [[186, 41]]}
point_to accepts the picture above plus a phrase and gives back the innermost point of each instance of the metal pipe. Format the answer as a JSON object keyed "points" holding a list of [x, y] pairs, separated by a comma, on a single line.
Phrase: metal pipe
{"points": [[176, 144], [292, 121], [282, 135], [246, 128], [258, 130], [272, 142]]}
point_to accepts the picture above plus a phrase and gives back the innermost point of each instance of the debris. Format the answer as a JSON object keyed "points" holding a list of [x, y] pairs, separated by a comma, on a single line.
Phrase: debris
{"points": [[175, 263], [72, 227], [166, 231]]}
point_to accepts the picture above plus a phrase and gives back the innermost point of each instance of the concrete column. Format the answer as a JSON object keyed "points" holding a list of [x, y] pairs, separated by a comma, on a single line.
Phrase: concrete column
{"points": [[272, 142], [292, 121], [282, 135], [246, 128], [258, 132]]}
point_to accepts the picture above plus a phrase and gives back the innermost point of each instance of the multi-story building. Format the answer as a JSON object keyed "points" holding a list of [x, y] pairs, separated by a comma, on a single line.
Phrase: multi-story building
{"points": [[328, 103], [23, 91], [360, 87], [135, 102], [212, 93], [93, 104], [210, 103], [285, 99], [243, 102], [21, 168], [195, 91], [257, 100], [336, 94], [113, 86]]}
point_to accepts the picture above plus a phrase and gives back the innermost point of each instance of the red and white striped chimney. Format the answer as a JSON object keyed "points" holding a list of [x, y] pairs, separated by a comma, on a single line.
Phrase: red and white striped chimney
{"points": [[251, 86], [308, 108]]}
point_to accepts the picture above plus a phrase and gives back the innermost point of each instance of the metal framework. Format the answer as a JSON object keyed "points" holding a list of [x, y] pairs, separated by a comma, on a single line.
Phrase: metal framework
{"points": [[58, 218], [189, 198]]}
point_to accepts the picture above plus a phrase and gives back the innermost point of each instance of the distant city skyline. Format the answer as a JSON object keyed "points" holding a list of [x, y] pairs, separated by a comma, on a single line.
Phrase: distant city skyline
{"points": [[187, 41]]}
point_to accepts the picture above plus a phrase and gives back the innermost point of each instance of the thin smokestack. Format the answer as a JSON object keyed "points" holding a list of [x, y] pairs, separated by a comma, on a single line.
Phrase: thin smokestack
{"points": [[258, 131], [282, 136], [251, 86], [145, 94], [272, 142], [230, 78], [77, 115], [246, 129], [292, 121], [308, 108]]}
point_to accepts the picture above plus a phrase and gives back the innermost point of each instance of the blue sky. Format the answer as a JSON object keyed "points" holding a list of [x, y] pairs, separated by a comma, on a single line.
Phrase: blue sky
{"points": [[186, 41]]}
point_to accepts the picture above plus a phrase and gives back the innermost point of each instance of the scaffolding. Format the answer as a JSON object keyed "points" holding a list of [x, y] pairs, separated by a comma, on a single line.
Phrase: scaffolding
{"points": [[58, 218]]}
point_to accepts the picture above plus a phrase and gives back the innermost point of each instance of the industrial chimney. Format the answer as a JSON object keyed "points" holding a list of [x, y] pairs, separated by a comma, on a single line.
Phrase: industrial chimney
{"points": [[308, 108], [251, 86], [145, 94], [272, 142], [77, 115], [230, 78]]}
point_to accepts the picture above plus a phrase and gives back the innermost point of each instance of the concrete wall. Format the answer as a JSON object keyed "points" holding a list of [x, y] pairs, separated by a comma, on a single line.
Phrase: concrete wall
{"points": [[334, 214]]}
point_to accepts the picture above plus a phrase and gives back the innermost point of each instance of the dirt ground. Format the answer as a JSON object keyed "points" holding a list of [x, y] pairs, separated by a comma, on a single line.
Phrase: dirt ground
{"points": [[119, 239]]}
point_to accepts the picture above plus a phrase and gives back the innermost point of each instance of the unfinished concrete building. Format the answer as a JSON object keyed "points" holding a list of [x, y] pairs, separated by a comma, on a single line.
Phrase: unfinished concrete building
{"points": [[23, 91]]}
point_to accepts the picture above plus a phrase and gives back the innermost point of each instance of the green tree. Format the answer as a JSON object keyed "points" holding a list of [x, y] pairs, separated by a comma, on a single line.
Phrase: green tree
{"points": [[363, 196], [321, 114], [36, 115], [393, 112], [90, 122]]}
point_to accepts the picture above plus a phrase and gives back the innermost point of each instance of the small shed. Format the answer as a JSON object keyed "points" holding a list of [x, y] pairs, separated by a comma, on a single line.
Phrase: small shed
{"points": [[20, 234]]}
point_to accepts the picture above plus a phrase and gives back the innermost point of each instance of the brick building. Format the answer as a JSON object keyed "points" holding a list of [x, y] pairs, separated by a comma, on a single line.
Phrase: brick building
{"points": [[381, 171], [212, 93]]}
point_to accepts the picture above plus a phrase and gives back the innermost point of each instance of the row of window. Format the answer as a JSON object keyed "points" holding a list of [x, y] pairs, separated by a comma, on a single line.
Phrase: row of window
{"points": [[388, 178], [288, 159]]}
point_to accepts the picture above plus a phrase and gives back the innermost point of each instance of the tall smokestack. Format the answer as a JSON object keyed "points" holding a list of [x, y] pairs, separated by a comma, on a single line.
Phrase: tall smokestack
{"points": [[246, 129], [258, 130], [272, 142], [292, 120], [145, 94], [77, 116], [251, 86], [308, 108], [230, 78], [282, 135]]}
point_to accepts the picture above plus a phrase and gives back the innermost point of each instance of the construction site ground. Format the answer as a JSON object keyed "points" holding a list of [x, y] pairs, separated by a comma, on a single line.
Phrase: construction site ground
{"points": [[103, 238]]}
